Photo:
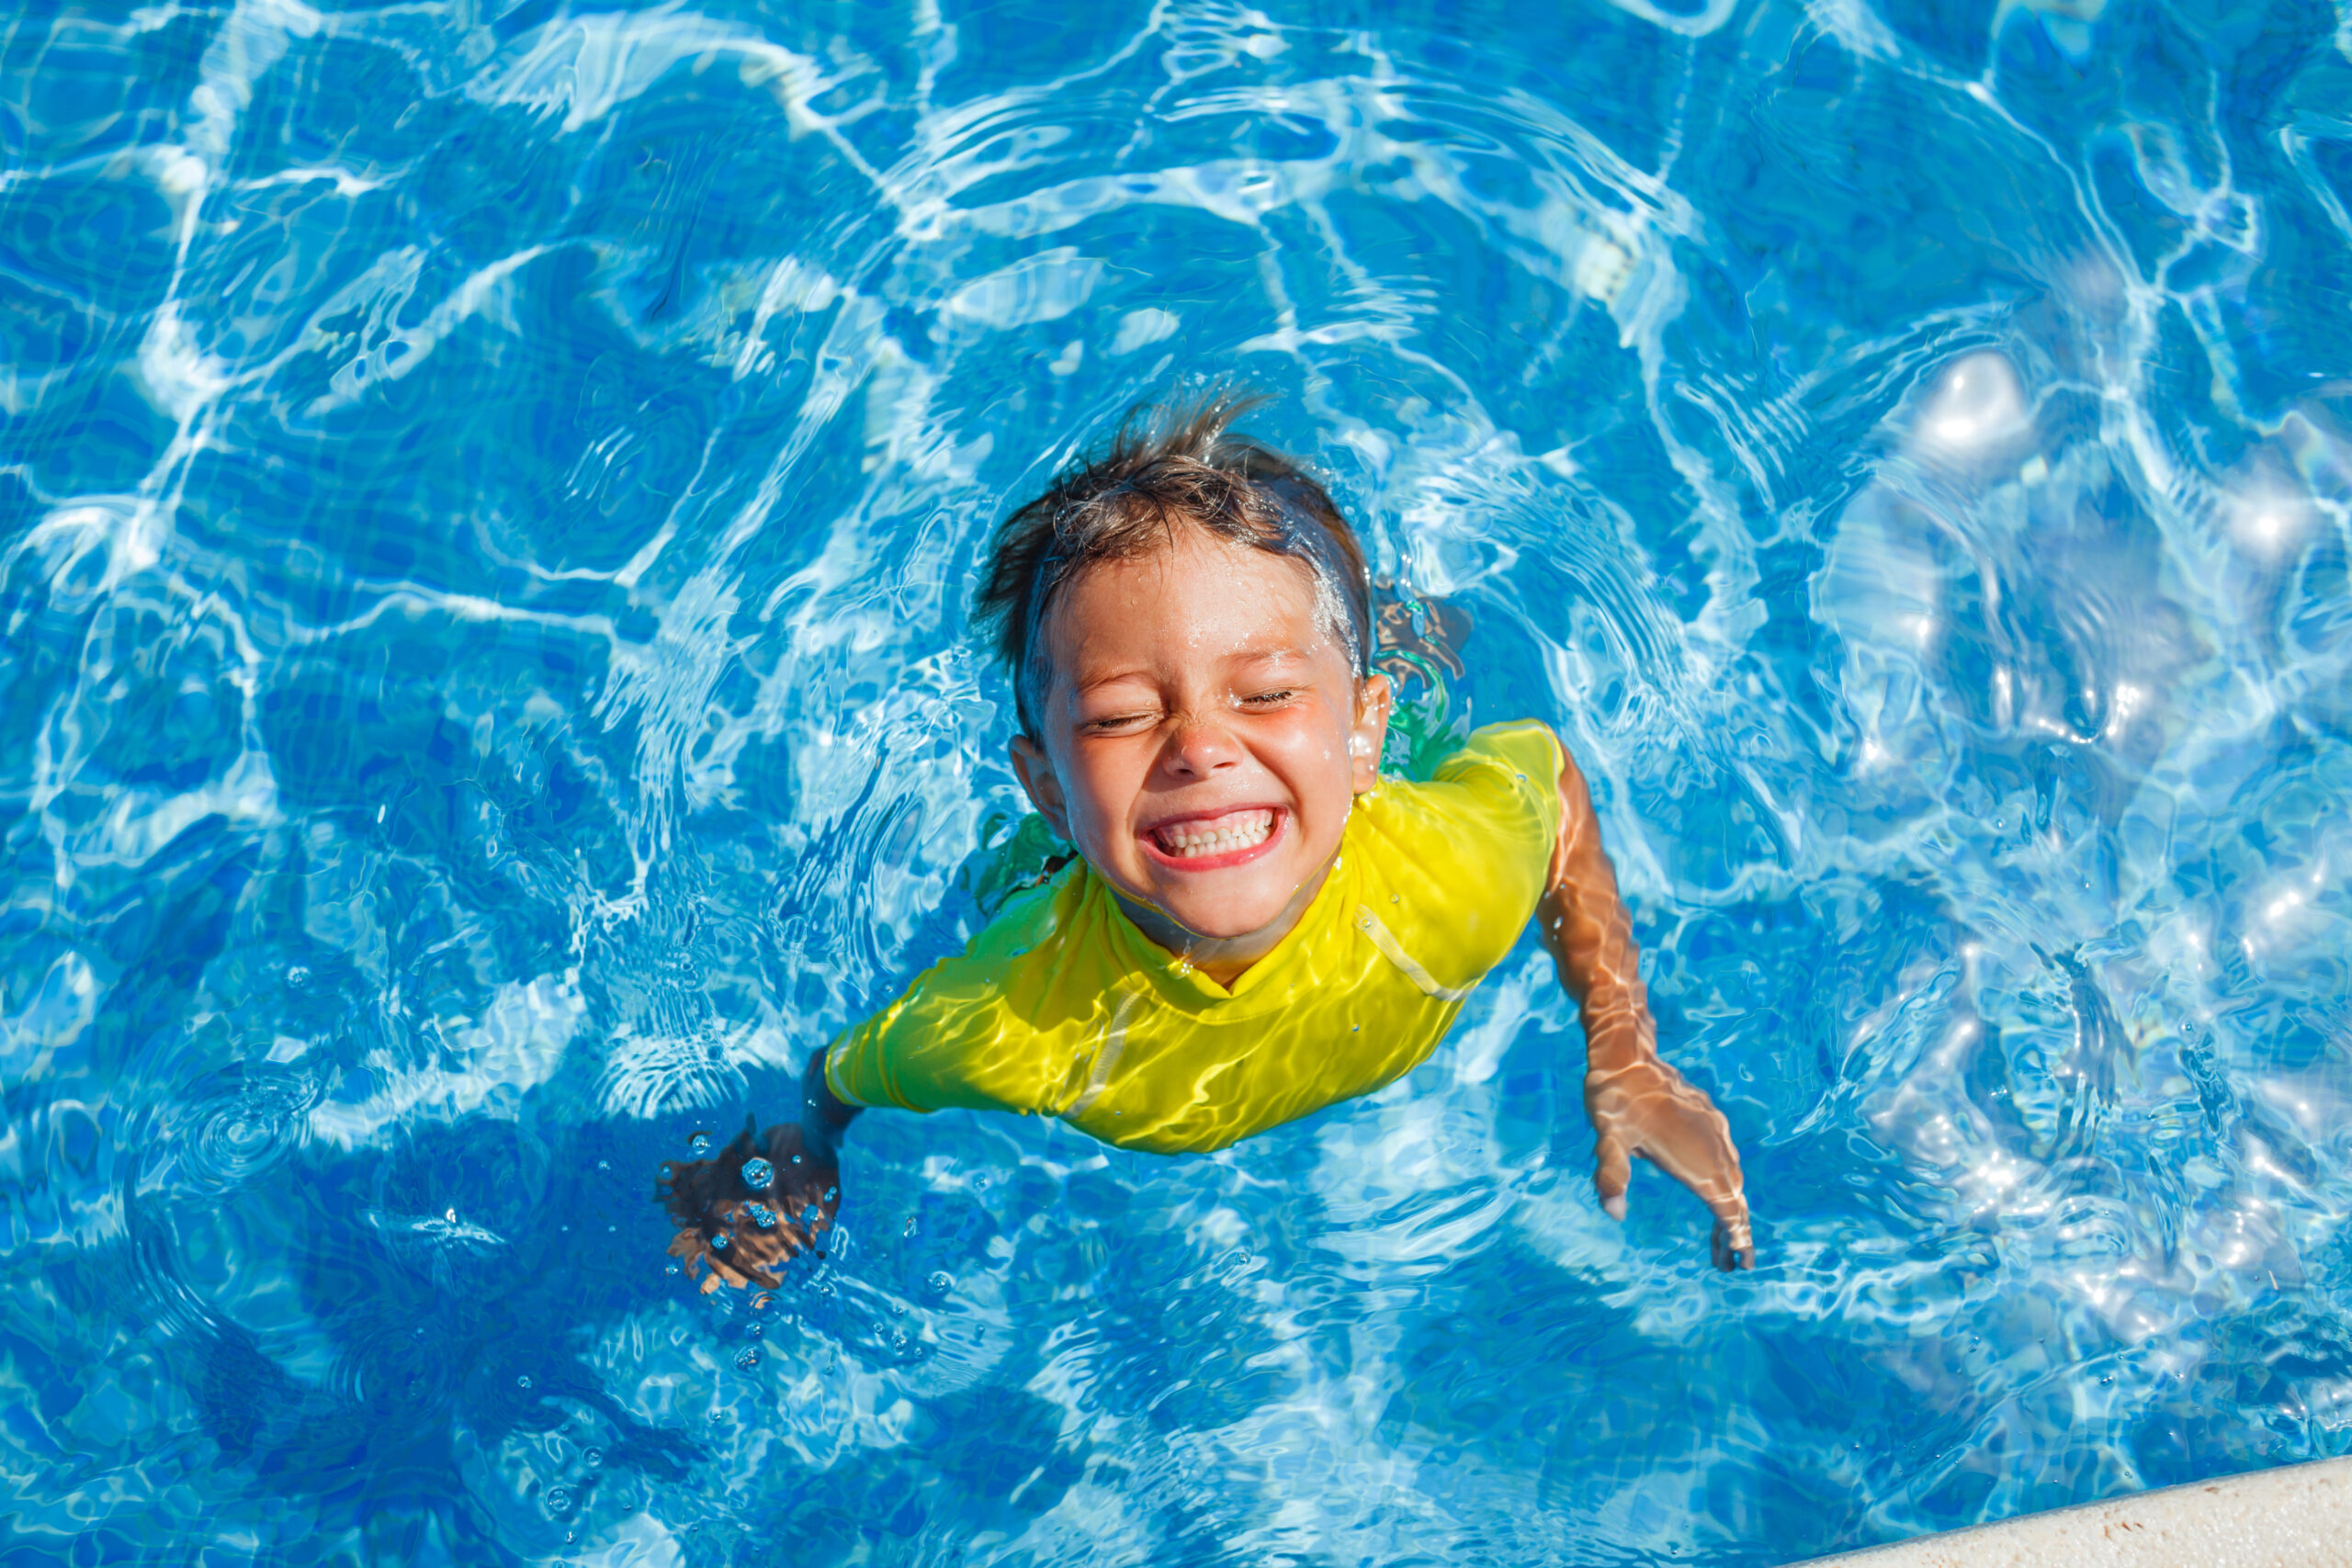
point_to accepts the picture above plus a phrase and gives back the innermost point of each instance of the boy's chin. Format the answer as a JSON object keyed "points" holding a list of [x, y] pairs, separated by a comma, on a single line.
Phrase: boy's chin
{"points": [[1228, 914]]}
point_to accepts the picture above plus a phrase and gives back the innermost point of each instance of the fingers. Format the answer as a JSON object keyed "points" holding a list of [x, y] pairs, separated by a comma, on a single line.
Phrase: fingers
{"points": [[1651, 1111], [744, 1256], [1613, 1173]]}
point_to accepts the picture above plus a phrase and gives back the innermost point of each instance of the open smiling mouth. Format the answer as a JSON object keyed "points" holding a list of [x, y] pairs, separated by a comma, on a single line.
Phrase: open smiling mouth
{"points": [[1204, 841]]}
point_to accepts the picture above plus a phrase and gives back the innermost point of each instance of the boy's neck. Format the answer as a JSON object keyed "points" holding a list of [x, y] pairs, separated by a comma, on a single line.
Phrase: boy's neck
{"points": [[1222, 959]]}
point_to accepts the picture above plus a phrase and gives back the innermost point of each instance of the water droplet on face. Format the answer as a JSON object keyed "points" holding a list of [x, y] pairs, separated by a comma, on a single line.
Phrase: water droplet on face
{"points": [[939, 1282], [522, 1381], [700, 1145], [720, 1241], [748, 1358], [758, 1174]]}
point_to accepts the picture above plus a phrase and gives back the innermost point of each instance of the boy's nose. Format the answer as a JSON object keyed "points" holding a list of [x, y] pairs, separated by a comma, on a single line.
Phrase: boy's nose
{"points": [[1199, 747]]}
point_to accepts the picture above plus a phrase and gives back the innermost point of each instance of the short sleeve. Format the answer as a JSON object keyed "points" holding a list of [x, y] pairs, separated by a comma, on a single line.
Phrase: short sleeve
{"points": [[1458, 862], [1513, 770], [918, 1053], [986, 1030]]}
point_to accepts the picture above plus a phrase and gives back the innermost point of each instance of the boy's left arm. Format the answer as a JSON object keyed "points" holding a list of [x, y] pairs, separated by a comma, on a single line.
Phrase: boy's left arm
{"points": [[1638, 1104]]}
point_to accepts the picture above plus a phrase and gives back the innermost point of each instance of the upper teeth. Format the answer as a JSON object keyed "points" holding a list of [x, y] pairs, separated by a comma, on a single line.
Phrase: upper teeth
{"points": [[1188, 840]]}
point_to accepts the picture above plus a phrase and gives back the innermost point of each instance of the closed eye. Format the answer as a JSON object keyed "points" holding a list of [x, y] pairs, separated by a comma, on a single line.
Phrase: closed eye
{"points": [[1118, 723], [1270, 699]]}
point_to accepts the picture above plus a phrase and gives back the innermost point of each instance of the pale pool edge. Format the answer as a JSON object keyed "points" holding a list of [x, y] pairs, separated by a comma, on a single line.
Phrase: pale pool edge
{"points": [[2298, 1516]]}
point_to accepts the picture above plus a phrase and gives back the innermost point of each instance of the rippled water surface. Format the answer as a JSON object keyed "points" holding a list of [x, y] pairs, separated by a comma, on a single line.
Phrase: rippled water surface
{"points": [[490, 495]]}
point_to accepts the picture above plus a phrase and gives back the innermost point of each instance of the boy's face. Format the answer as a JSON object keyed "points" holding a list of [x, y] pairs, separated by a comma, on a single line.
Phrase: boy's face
{"points": [[1203, 734]]}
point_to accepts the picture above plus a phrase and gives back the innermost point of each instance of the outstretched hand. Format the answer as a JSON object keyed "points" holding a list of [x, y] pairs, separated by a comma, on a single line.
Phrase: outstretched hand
{"points": [[1646, 1108], [743, 1226]]}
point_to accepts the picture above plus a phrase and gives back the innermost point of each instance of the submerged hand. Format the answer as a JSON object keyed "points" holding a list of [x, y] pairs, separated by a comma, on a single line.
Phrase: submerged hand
{"points": [[764, 1226], [1648, 1108]]}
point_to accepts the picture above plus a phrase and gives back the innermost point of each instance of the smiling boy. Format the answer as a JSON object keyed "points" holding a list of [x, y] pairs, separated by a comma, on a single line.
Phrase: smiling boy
{"points": [[1257, 924]]}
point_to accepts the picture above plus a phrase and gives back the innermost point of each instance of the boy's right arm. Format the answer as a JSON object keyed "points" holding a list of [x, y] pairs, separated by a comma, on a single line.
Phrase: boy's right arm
{"points": [[941, 1045], [767, 1220]]}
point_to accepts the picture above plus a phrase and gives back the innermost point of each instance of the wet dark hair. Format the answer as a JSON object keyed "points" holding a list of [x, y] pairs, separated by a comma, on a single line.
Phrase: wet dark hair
{"points": [[1169, 466]]}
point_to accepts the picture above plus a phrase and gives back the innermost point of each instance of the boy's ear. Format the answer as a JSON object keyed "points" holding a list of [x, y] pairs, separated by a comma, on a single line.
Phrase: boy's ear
{"points": [[1375, 701], [1036, 774]]}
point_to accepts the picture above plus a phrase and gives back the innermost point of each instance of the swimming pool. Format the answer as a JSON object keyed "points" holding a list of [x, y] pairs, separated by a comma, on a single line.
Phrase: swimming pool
{"points": [[492, 495]]}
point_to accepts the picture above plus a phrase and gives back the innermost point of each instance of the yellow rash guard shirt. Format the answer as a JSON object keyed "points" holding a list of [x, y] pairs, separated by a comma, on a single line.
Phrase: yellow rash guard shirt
{"points": [[1060, 1007]]}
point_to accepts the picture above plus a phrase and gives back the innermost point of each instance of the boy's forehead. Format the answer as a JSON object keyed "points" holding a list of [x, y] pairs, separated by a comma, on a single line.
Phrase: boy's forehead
{"points": [[1240, 599]]}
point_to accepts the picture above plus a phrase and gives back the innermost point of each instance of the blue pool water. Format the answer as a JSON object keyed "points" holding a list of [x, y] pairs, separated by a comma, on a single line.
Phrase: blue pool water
{"points": [[490, 495]]}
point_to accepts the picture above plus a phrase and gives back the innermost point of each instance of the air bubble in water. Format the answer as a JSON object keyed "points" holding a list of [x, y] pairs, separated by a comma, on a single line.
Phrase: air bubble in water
{"points": [[720, 1241], [939, 1282], [669, 1268], [757, 1174], [762, 1215], [699, 1145], [747, 1358], [795, 1159], [592, 1458], [831, 1193], [297, 976], [522, 1381]]}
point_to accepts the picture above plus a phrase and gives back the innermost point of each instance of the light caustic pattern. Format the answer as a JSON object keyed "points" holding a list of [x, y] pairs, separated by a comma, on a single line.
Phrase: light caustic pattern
{"points": [[491, 497]]}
